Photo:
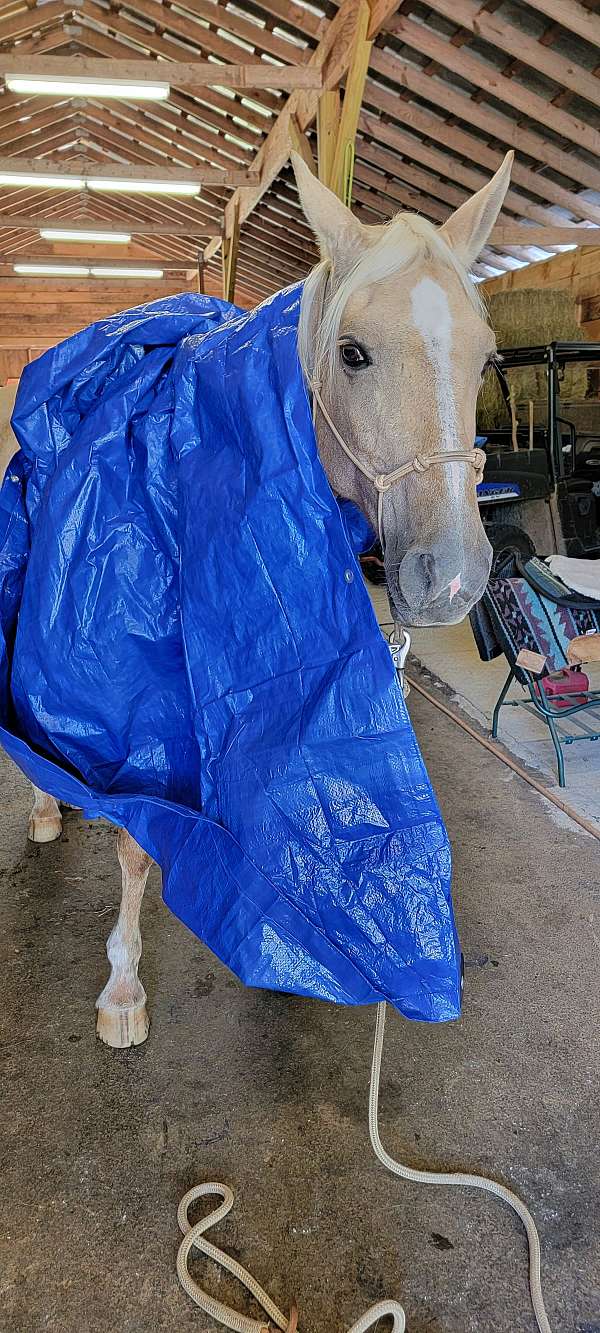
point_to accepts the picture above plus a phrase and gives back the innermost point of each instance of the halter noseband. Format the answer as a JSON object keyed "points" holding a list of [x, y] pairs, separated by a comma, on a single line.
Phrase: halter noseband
{"points": [[383, 481]]}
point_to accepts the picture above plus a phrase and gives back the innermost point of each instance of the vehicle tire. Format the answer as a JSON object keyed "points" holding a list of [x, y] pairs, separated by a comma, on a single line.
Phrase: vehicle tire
{"points": [[507, 541], [371, 563]]}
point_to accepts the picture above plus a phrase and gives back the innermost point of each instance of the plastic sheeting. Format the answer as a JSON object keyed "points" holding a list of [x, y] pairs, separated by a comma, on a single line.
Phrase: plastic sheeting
{"points": [[188, 649]]}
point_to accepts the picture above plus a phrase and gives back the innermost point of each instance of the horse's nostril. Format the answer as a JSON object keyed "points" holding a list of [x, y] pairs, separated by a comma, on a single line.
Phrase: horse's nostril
{"points": [[427, 563], [416, 577]]}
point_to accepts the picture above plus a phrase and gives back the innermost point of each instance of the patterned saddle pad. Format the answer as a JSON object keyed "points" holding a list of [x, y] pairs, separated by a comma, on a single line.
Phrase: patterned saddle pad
{"points": [[512, 615]]}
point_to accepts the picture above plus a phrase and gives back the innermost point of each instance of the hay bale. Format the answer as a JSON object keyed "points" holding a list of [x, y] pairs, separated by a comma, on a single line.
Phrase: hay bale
{"points": [[530, 317]]}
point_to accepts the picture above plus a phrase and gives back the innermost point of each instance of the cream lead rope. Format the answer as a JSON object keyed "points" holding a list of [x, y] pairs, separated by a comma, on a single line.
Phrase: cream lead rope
{"points": [[194, 1238]]}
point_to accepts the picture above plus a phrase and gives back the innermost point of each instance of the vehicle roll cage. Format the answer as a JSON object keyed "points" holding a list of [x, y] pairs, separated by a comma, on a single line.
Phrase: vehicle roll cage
{"points": [[555, 356]]}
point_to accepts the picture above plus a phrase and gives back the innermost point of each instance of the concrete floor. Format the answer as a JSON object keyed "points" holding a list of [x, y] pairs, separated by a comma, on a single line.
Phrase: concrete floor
{"points": [[269, 1094]]}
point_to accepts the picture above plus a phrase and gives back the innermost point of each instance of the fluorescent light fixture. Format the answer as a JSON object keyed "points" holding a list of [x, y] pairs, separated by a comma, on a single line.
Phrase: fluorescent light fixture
{"points": [[93, 237], [126, 272], [102, 183], [127, 91], [41, 182], [52, 270]]}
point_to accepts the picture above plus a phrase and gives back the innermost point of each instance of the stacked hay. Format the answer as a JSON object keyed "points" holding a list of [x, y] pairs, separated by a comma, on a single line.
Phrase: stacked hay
{"points": [[530, 317]]}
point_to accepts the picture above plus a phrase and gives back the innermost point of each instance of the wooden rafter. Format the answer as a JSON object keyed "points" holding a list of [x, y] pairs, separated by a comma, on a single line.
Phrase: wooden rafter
{"points": [[470, 14], [300, 144], [114, 171], [440, 104], [183, 74], [473, 113], [461, 144], [447, 168], [506, 234], [332, 57], [482, 74], [572, 16], [23, 222]]}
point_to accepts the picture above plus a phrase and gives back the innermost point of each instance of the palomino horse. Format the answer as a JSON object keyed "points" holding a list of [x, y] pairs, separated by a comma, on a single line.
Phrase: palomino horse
{"points": [[393, 342]]}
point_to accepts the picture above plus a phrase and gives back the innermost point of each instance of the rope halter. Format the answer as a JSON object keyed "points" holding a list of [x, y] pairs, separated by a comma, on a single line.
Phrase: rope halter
{"points": [[383, 481]]}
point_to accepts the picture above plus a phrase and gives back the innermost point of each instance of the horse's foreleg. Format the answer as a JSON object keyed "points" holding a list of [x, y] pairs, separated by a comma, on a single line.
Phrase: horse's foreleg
{"points": [[122, 1015], [45, 820]]}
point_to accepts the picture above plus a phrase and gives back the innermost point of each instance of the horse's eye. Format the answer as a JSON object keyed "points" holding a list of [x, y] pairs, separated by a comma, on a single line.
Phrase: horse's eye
{"points": [[354, 356]]}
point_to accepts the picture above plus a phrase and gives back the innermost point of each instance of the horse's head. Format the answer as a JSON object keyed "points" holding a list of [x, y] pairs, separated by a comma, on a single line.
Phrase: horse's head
{"points": [[393, 334]]}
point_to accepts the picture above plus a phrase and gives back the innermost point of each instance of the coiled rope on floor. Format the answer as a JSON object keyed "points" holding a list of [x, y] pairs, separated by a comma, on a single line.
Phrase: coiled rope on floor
{"points": [[194, 1235]]}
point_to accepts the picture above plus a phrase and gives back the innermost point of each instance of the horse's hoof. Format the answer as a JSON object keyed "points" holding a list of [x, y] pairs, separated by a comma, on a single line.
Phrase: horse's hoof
{"points": [[44, 828], [120, 1027]]}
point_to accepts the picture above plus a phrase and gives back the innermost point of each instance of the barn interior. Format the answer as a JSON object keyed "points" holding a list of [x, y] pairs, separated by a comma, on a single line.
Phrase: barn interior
{"points": [[144, 153]]}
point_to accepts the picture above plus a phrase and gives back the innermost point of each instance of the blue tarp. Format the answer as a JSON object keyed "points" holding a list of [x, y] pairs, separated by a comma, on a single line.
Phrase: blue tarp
{"points": [[188, 649]]}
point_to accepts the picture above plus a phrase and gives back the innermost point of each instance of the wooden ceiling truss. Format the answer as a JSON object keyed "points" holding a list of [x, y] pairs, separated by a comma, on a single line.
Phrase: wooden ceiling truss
{"points": [[409, 105]]}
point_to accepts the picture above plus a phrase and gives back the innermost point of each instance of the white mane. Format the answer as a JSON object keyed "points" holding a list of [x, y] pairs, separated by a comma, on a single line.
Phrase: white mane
{"points": [[396, 247]]}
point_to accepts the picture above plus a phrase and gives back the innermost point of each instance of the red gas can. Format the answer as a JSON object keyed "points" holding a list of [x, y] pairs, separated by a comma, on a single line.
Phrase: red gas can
{"points": [[571, 681]]}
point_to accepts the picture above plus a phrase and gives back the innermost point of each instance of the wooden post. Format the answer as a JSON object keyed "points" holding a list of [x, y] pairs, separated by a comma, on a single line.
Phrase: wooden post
{"points": [[353, 95], [328, 121], [225, 248], [229, 254], [201, 291]]}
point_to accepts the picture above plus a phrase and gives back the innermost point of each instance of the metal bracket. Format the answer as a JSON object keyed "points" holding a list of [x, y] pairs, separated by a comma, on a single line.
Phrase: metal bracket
{"points": [[399, 642]]}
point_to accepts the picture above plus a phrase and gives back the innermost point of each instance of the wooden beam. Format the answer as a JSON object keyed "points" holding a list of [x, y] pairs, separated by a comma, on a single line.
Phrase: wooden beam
{"points": [[399, 168], [188, 21], [461, 105], [507, 234], [200, 266], [447, 170], [159, 137], [360, 55], [483, 75], [300, 144], [229, 255], [471, 14], [332, 58], [572, 16], [117, 46], [41, 167], [31, 20], [328, 123], [26, 222], [12, 131], [182, 74], [87, 259], [422, 122]]}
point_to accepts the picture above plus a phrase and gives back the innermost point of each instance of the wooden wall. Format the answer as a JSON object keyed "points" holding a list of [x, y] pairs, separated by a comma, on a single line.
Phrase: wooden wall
{"points": [[36, 313], [576, 270]]}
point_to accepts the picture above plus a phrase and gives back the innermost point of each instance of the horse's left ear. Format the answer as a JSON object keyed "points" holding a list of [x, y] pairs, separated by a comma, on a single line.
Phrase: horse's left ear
{"points": [[469, 227]]}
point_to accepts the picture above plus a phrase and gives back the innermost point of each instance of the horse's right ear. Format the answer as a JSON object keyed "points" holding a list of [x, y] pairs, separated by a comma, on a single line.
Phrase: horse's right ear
{"points": [[339, 233], [469, 228]]}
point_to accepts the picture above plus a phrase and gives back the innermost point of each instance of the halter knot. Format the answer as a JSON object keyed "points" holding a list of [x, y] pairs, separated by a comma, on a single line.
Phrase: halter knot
{"points": [[479, 460], [382, 482], [421, 463]]}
